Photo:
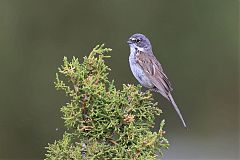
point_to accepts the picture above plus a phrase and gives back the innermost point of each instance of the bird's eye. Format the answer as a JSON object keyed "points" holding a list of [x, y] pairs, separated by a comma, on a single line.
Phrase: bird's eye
{"points": [[138, 40]]}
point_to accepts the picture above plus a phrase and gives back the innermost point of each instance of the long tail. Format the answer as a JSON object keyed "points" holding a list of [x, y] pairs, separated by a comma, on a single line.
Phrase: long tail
{"points": [[177, 109]]}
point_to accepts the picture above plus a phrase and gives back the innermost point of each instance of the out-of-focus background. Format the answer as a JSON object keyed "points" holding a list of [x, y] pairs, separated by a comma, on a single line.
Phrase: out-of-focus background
{"points": [[195, 40]]}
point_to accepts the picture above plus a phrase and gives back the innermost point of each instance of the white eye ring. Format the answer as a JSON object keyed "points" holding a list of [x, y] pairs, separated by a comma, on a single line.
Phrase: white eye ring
{"points": [[133, 39]]}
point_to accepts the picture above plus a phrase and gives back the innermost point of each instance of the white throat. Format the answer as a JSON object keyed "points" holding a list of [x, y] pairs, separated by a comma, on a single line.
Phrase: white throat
{"points": [[133, 49]]}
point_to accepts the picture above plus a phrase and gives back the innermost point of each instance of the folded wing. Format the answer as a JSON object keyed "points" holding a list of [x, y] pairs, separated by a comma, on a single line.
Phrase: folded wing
{"points": [[153, 69]]}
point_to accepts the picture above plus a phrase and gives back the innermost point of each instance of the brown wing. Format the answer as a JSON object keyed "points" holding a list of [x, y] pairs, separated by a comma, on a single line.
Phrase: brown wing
{"points": [[153, 69]]}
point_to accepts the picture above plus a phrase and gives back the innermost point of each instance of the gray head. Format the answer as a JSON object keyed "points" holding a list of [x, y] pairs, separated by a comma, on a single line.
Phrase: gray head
{"points": [[140, 42]]}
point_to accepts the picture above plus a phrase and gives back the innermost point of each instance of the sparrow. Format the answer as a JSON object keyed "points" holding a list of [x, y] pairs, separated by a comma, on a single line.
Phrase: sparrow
{"points": [[147, 69]]}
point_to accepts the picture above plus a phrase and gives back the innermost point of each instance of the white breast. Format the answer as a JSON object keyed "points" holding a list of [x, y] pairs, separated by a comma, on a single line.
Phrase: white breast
{"points": [[138, 72]]}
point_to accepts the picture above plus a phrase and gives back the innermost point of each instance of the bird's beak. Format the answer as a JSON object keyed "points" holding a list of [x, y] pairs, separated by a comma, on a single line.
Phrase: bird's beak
{"points": [[129, 42]]}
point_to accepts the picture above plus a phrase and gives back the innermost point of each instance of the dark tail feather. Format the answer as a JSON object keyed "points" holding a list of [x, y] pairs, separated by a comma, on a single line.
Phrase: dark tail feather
{"points": [[177, 110]]}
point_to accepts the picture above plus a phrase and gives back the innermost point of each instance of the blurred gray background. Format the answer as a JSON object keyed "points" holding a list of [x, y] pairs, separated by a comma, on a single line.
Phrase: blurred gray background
{"points": [[195, 40]]}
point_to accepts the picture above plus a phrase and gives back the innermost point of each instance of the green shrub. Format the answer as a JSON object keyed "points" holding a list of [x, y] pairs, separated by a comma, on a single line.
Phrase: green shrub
{"points": [[103, 122]]}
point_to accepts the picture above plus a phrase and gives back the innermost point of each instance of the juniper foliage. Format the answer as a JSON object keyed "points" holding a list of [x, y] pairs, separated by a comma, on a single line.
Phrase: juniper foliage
{"points": [[103, 122]]}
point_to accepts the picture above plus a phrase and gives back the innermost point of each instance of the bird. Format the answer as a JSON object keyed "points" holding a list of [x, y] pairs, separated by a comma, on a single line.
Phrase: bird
{"points": [[147, 69]]}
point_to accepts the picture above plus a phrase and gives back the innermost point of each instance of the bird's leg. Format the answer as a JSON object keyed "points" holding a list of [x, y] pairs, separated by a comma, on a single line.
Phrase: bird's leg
{"points": [[140, 90]]}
